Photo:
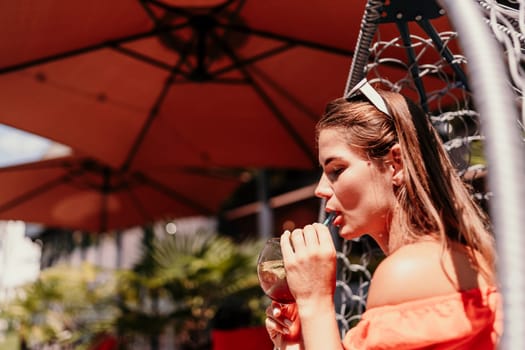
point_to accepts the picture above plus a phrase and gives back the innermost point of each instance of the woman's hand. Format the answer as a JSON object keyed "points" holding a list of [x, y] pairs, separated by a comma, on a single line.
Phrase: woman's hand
{"points": [[310, 261], [283, 325]]}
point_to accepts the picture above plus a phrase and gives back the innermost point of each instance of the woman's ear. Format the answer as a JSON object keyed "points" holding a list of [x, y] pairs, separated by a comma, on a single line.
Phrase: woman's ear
{"points": [[396, 162]]}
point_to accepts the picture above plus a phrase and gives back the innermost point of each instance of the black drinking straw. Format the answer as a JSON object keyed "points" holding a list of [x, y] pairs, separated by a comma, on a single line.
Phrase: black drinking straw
{"points": [[329, 219]]}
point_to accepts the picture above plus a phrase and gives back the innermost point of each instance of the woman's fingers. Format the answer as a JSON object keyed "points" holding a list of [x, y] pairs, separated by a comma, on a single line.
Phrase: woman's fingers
{"points": [[297, 239], [310, 236], [277, 325], [309, 258], [276, 322], [275, 335], [276, 315], [286, 244]]}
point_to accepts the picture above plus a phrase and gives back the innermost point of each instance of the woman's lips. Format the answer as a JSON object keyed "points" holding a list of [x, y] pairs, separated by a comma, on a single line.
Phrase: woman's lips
{"points": [[338, 221]]}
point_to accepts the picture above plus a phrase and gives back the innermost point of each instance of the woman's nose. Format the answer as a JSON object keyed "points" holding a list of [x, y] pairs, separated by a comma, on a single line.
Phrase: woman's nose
{"points": [[323, 190]]}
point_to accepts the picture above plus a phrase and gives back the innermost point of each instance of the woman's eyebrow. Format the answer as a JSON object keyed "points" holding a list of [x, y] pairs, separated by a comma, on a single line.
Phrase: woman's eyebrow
{"points": [[329, 160]]}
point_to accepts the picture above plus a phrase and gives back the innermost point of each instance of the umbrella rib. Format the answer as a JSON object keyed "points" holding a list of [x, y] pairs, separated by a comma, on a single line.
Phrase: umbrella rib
{"points": [[227, 3], [228, 81], [173, 9], [171, 193], [147, 124], [291, 40], [262, 56], [254, 59], [229, 173], [181, 11], [154, 111], [146, 59], [106, 189], [148, 10], [140, 208], [87, 49], [295, 101], [288, 39], [34, 192], [269, 103], [284, 122], [45, 164], [240, 4]]}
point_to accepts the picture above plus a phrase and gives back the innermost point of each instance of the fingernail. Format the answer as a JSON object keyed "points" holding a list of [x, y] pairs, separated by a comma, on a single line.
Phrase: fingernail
{"points": [[288, 322], [276, 312], [286, 331]]}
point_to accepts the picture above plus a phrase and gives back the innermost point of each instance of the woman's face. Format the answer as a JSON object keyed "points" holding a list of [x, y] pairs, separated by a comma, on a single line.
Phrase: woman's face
{"points": [[358, 189]]}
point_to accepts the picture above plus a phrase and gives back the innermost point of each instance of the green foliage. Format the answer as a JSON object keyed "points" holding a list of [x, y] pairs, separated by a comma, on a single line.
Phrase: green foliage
{"points": [[68, 306], [210, 266], [180, 282], [191, 276], [10, 342], [477, 153]]}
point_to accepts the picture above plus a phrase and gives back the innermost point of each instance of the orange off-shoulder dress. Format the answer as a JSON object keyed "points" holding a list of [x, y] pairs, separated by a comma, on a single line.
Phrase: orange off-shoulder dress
{"points": [[465, 320]]}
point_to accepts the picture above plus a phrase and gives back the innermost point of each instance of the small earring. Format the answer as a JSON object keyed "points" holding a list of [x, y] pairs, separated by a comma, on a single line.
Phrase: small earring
{"points": [[397, 181]]}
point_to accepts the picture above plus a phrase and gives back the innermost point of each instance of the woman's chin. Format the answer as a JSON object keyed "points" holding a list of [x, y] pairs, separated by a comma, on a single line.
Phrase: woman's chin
{"points": [[348, 234]]}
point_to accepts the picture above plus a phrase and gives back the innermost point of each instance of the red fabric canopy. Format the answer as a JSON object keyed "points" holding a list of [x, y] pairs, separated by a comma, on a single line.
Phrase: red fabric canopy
{"points": [[179, 82], [80, 193], [146, 87]]}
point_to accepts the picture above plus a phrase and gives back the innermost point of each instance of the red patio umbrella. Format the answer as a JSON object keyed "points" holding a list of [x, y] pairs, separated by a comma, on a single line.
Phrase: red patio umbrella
{"points": [[150, 86], [76, 192], [156, 83]]}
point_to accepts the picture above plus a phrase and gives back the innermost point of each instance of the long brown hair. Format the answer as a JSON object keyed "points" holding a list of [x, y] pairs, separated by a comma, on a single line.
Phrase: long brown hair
{"points": [[433, 201]]}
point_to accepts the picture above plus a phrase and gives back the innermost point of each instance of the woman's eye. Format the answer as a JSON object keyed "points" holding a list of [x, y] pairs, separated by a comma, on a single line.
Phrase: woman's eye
{"points": [[335, 172]]}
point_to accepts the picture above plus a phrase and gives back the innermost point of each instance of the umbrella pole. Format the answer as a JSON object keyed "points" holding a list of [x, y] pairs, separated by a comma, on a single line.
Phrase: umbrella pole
{"points": [[265, 218], [118, 245]]}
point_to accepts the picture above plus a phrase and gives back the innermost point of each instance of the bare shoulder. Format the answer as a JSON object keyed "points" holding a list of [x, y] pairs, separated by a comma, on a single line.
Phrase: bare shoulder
{"points": [[418, 271]]}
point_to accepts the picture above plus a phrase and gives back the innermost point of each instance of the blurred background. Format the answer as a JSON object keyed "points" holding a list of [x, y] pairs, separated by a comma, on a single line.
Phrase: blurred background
{"points": [[66, 289], [148, 148]]}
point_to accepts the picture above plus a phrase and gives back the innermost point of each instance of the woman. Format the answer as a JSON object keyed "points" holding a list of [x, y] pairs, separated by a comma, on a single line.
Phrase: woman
{"points": [[386, 174]]}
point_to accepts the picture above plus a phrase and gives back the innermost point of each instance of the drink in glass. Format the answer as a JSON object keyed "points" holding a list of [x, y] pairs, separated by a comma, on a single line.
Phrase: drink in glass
{"points": [[271, 272]]}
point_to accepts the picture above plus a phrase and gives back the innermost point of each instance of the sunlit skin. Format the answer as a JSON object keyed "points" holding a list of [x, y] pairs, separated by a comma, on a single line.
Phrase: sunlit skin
{"points": [[359, 190], [377, 182]]}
